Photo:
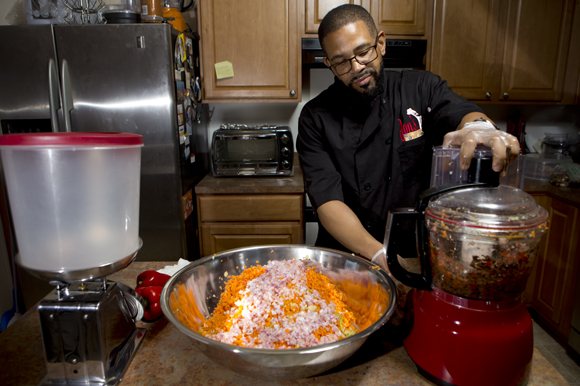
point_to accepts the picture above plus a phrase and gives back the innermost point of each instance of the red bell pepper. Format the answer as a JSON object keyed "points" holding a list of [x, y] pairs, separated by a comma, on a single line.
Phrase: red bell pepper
{"points": [[151, 296], [152, 278], [149, 286]]}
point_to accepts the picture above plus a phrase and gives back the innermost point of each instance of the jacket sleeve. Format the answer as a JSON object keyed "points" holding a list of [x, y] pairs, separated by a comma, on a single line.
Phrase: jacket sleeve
{"points": [[321, 178], [446, 108]]}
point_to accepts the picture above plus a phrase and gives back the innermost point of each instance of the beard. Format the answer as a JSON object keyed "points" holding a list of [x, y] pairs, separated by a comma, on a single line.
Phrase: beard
{"points": [[368, 92]]}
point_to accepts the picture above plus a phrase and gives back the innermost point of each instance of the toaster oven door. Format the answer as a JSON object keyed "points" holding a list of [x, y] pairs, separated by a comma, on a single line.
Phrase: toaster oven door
{"points": [[245, 155]]}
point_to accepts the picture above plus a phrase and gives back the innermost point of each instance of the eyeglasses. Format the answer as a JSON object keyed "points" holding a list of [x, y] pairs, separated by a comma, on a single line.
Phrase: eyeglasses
{"points": [[364, 58]]}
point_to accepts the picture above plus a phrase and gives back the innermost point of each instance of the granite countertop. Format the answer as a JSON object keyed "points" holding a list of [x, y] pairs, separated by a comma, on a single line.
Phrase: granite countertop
{"points": [[252, 185], [569, 195], [167, 357]]}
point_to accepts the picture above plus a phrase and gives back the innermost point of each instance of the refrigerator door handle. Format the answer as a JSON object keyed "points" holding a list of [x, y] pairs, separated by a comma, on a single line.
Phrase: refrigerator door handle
{"points": [[53, 97], [67, 101]]}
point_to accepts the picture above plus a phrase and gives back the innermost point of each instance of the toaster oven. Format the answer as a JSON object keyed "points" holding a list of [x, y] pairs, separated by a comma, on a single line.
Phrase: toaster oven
{"points": [[251, 151]]}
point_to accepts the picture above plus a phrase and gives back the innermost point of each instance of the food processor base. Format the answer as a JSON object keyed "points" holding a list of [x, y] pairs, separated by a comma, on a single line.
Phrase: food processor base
{"points": [[456, 341]]}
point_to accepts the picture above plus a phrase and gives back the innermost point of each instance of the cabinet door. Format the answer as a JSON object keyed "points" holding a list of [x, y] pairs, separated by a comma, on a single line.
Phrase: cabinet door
{"points": [[315, 10], [218, 237], [398, 17], [250, 207], [465, 44], [557, 267], [536, 49], [259, 38]]}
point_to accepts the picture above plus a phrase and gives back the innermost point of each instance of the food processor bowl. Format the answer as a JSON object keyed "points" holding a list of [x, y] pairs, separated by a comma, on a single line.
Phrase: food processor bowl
{"points": [[483, 241]]}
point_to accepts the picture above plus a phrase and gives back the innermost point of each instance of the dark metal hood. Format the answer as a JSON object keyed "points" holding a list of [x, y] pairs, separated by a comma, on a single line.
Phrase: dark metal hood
{"points": [[400, 53]]}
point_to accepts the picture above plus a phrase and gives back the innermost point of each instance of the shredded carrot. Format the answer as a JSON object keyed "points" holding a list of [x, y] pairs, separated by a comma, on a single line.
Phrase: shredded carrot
{"points": [[359, 306]]}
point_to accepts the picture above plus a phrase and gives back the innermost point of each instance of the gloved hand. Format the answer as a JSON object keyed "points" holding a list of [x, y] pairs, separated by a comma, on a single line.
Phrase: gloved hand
{"points": [[380, 259], [403, 309], [504, 147]]}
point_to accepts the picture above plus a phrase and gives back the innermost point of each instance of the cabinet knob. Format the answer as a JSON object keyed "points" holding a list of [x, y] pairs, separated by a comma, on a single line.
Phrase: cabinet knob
{"points": [[488, 95], [506, 95], [292, 92]]}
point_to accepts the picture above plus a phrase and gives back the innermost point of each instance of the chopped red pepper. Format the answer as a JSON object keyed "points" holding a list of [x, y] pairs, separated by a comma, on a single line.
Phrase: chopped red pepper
{"points": [[152, 305], [152, 278]]}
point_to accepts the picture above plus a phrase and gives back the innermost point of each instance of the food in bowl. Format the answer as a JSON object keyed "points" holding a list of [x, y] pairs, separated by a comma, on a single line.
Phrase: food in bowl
{"points": [[284, 305]]}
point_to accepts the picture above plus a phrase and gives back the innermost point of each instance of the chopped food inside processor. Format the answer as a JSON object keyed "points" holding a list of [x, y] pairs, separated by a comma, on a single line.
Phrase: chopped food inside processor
{"points": [[286, 304], [459, 267]]}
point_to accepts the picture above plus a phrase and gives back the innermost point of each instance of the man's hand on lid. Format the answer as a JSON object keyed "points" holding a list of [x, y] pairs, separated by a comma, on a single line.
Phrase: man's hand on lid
{"points": [[481, 131]]}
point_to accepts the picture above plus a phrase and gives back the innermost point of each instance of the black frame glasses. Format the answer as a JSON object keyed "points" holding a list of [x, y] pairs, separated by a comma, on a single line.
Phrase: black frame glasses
{"points": [[357, 57]]}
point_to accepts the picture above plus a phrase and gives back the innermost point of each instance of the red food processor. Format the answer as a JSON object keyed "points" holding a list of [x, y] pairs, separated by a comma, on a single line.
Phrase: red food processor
{"points": [[477, 242]]}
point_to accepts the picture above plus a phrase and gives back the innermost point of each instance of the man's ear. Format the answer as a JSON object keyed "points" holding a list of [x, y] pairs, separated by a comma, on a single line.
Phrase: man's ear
{"points": [[326, 61], [382, 43]]}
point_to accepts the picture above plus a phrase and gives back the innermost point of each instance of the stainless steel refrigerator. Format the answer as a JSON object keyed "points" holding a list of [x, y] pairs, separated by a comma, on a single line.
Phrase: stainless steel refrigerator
{"points": [[133, 78]]}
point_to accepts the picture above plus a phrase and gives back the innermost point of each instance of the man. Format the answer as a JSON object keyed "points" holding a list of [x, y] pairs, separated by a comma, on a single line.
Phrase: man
{"points": [[365, 143]]}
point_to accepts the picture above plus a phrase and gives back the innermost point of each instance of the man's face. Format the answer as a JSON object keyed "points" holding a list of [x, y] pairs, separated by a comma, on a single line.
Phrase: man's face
{"points": [[350, 40]]}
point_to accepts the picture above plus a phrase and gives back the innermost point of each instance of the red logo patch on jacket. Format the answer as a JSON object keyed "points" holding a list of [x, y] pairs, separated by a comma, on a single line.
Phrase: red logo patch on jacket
{"points": [[413, 129]]}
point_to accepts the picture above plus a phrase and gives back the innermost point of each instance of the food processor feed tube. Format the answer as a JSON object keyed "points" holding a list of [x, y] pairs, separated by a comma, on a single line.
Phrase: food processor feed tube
{"points": [[477, 243]]}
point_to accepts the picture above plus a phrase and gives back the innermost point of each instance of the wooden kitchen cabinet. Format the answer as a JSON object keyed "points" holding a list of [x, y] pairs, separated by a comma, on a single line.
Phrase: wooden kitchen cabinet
{"points": [[228, 221], [556, 269], [260, 39], [391, 16], [497, 50]]}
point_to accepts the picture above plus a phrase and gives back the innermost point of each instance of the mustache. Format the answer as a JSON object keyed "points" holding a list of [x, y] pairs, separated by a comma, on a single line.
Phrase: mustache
{"points": [[364, 73]]}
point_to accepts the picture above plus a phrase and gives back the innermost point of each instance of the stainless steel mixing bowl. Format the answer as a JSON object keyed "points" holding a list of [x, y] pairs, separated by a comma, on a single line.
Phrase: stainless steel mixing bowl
{"points": [[204, 278]]}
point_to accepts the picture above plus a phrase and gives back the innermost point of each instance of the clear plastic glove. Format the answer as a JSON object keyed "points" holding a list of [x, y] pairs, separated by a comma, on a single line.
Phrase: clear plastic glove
{"points": [[504, 147], [402, 311], [380, 259]]}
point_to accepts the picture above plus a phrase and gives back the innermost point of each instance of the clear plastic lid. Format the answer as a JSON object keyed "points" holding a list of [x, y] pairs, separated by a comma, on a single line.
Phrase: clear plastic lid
{"points": [[496, 208]]}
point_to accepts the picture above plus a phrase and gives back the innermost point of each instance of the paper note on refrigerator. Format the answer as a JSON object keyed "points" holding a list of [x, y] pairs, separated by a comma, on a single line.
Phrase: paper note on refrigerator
{"points": [[224, 70]]}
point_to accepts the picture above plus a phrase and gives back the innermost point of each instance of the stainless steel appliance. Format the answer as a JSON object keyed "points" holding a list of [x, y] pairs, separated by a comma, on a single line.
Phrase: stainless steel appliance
{"points": [[132, 78], [252, 151], [84, 230]]}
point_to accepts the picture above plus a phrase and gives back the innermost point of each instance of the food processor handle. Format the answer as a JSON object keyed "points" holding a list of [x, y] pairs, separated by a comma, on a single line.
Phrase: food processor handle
{"points": [[420, 281]]}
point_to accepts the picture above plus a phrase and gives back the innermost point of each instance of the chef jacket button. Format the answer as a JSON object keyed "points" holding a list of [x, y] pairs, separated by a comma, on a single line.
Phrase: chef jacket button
{"points": [[369, 225], [384, 101], [367, 187], [388, 141]]}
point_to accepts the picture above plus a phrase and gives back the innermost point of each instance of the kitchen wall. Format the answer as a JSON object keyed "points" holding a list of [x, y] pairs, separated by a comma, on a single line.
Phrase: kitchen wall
{"points": [[313, 82]]}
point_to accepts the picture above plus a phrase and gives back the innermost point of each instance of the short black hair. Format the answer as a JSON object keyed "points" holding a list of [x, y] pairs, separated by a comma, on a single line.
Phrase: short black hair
{"points": [[342, 15]]}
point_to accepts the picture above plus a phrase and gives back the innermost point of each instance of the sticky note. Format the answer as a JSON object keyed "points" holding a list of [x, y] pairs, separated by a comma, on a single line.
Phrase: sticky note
{"points": [[224, 70]]}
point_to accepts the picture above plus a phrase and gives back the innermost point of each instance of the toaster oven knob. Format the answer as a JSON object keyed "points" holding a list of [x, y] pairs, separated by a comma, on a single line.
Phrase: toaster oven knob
{"points": [[285, 152], [285, 164], [284, 138]]}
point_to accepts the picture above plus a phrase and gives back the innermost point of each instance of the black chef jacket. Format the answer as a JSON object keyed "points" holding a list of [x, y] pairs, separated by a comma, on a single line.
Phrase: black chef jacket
{"points": [[375, 156]]}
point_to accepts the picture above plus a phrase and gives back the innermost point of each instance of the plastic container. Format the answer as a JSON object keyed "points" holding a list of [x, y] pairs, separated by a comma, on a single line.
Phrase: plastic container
{"points": [[152, 11], [74, 197], [539, 166]]}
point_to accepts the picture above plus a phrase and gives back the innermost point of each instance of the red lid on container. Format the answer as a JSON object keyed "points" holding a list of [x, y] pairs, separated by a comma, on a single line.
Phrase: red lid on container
{"points": [[71, 139]]}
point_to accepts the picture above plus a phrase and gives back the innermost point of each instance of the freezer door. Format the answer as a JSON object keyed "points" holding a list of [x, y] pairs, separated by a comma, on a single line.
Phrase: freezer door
{"points": [[27, 54], [120, 78]]}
